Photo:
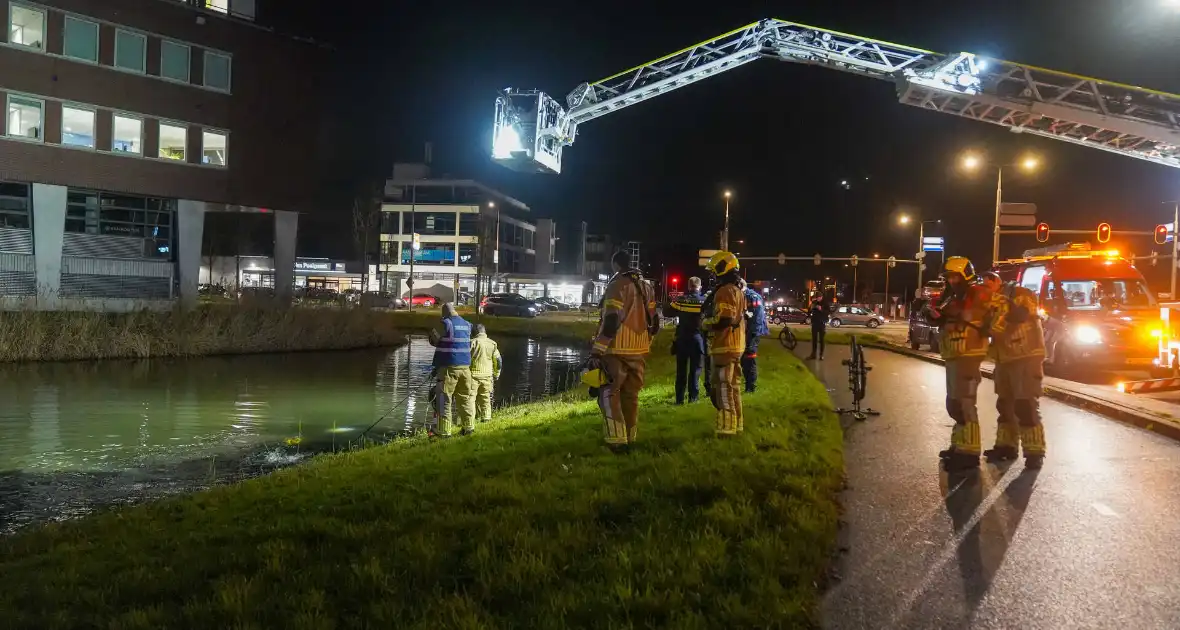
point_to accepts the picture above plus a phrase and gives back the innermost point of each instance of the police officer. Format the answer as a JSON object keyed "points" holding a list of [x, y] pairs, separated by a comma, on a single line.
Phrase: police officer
{"points": [[629, 322], [689, 345], [724, 319], [756, 328], [452, 365], [818, 314], [963, 341], [1018, 347]]}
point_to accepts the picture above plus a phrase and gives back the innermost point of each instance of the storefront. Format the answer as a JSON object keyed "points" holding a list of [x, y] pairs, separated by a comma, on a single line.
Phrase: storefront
{"points": [[258, 272]]}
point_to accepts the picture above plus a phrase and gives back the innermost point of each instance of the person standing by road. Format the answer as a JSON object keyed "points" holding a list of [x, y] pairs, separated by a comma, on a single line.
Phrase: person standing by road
{"points": [[818, 314], [963, 341], [756, 329], [452, 366], [629, 322], [1018, 346], [486, 364], [689, 345], [726, 322]]}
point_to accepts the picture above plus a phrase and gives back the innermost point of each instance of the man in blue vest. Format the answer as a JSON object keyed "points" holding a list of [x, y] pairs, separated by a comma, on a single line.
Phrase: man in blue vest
{"points": [[452, 365]]}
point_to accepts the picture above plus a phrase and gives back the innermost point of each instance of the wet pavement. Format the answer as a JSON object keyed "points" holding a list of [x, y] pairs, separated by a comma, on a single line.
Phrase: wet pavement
{"points": [[1090, 541]]}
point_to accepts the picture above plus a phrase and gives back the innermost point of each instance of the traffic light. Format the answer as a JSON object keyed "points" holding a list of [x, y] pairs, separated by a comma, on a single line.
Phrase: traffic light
{"points": [[1103, 232], [1161, 234], [674, 280], [818, 260], [1042, 232]]}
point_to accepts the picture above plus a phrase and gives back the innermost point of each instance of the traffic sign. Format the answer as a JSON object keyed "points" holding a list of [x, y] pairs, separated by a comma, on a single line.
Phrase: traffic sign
{"points": [[1018, 208], [933, 244], [703, 256], [1018, 220]]}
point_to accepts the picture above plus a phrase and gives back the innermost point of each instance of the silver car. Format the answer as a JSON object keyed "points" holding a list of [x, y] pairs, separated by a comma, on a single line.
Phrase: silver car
{"points": [[854, 315]]}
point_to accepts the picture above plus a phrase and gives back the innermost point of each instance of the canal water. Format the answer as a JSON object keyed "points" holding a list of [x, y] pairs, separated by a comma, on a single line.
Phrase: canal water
{"points": [[79, 436]]}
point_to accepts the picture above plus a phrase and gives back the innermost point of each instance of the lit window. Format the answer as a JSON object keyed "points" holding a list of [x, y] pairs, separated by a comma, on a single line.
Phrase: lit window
{"points": [[174, 61], [77, 126], [217, 71], [24, 118], [173, 139], [130, 51], [221, 6], [81, 39], [214, 148], [26, 26], [236, 8], [127, 135]]}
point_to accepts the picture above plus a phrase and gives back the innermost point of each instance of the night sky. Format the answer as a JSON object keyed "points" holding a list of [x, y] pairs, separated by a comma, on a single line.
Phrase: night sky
{"points": [[781, 136]]}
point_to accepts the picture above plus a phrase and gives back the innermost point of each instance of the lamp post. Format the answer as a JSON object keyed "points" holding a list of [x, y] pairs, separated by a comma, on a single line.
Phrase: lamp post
{"points": [[725, 231], [972, 162], [906, 220]]}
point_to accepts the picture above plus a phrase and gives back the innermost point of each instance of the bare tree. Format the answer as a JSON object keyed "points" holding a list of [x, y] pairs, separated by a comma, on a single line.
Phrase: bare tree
{"points": [[366, 219]]}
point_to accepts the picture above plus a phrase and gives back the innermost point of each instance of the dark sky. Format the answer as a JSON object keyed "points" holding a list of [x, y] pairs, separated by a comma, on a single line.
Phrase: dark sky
{"points": [[780, 136]]}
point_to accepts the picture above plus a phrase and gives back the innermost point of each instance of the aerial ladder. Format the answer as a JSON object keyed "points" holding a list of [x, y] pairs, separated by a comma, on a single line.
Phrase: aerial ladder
{"points": [[532, 128]]}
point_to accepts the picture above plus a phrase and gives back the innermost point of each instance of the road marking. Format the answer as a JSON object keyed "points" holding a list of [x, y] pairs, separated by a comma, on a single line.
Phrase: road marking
{"points": [[1104, 510]]}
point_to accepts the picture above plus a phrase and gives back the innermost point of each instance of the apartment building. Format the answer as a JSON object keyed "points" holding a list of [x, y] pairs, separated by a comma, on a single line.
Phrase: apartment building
{"points": [[126, 122]]}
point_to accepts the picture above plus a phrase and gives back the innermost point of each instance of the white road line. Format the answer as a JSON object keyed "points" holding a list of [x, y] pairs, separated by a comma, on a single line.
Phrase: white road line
{"points": [[1104, 510]]}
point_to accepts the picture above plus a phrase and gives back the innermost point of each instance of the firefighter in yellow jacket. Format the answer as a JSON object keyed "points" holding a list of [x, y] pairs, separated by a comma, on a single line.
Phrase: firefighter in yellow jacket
{"points": [[486, 364], [963, 341], [725, 322], [629, 321], [1018, 347]]}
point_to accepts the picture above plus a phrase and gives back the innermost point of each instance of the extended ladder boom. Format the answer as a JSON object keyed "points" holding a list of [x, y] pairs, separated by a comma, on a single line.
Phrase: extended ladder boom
{"points": [[532, 128]]}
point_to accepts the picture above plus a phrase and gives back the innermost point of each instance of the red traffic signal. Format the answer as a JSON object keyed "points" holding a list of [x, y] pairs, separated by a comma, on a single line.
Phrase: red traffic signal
{"points": [[674, 280], [1042, 232], [1161, 234], [1103, 232]]}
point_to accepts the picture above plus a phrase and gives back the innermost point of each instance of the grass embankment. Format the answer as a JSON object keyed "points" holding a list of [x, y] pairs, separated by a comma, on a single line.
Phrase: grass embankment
{"points": [[531, 523], [208, 330], [548, 326]]}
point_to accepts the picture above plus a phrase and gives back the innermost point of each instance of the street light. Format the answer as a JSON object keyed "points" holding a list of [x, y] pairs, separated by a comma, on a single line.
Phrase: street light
{"points": [[725, 232], [972, 162], [905, 219]]}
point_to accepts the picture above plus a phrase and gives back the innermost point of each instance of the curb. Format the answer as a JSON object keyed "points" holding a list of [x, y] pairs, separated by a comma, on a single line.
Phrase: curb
{"points": [[1110, 409]]}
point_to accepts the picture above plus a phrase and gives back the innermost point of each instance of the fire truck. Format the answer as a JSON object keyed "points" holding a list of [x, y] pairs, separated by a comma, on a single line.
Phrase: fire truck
{"points": [[1097, 310]]}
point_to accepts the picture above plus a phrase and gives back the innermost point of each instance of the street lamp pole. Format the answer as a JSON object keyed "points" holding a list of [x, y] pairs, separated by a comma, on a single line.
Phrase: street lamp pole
{"points": [[996, 227], [922, 249], [725, 232], [1175, 250]]}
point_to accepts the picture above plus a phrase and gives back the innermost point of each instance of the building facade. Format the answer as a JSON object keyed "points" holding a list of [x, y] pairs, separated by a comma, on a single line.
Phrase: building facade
{"points": [[599, 248], [128, 120]]}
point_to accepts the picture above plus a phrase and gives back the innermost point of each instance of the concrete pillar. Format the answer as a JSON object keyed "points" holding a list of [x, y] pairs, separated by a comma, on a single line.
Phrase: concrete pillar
{"points": [[286, 225], [190, 223], [49, 226]]}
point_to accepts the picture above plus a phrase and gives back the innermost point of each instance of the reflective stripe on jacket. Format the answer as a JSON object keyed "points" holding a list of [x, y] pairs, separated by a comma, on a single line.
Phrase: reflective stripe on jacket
{"points": [[485, 357], [454, 347], [962, 324], [1015, 325], [687, 310], [629, 297], [728, 302]]}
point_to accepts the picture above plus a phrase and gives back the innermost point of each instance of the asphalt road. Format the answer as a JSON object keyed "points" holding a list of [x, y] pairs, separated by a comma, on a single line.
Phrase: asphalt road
{"points": [[1090, 541]]}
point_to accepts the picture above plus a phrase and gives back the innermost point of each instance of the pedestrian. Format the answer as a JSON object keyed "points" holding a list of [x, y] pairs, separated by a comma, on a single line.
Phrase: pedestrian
{"points": [[1018, 347], [629, 323], [689, 344], [756, 329], [725, 321], [452, 366], [963, 342], [486, 364], [817, 313]]}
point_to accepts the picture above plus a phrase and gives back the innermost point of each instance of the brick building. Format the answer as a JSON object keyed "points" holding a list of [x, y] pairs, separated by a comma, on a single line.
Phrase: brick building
{"points": [[126, 121]]}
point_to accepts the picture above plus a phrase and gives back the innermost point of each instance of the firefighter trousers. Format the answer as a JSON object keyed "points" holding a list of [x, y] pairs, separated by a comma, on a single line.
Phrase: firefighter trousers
{"points": [[725, 386], [455, 391], [962, 386], [483, 397], [620, 400], [1018, 391]]}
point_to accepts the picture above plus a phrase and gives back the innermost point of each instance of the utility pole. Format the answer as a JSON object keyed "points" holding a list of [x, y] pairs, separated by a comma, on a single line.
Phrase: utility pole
{"points": [[1175, 226], [996, 229], [922, 247], [887, 302], [413, 254]]}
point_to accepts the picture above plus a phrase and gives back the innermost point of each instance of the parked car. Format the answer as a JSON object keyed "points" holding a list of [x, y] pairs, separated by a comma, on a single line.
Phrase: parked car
{"points": [[552, 304], [380, 299], [511, 304], [854, 315], [922, 332], [788, 315], [424, 299]]}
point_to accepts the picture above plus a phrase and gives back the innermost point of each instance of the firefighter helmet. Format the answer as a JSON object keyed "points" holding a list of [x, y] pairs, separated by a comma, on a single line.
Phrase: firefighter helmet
{"points": [[722, 263], [960, 265]]}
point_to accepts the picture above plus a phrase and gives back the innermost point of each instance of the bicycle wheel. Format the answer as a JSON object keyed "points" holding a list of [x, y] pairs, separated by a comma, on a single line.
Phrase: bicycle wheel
{"points": [[856, 371], [787, 338]]}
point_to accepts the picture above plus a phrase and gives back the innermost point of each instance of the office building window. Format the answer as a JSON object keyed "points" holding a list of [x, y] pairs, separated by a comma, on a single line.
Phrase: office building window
{"points": [[127, 135], [214, 148], [174, 61], [24, 117], [26, 26], [440, 223], [468, 253], [217, 71], [389, 252], [130, 51], [391, 223], [81, 39], [14, 205], [430, 254], [173, 140], [468, 224], [149, 218], [77, 126]]}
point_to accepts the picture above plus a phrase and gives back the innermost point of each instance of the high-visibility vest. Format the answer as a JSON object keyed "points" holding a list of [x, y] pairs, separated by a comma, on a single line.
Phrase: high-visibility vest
{"points": [[454, 347]]}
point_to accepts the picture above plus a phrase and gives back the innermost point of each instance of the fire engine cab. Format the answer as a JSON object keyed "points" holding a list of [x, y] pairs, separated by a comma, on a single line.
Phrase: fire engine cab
{"points": [[1097, 310]]}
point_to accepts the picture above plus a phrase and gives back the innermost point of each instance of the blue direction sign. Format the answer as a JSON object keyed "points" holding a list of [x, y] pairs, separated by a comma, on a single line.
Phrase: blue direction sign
{"points": [[933, 243]]}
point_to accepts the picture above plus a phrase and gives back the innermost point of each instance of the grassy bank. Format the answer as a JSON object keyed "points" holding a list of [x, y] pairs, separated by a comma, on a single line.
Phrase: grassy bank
{"points": [[530, 523], [208, 330], [566, 326]]}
